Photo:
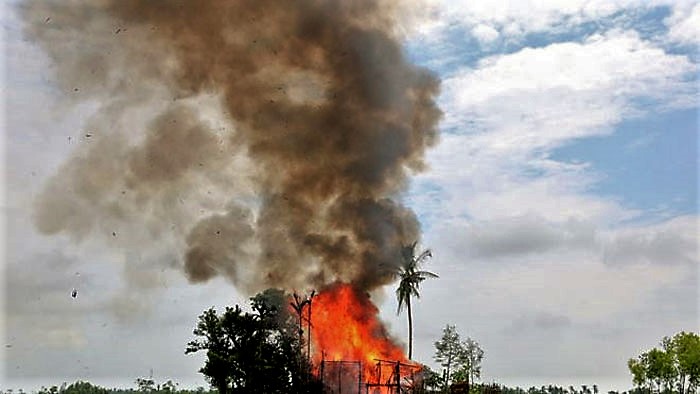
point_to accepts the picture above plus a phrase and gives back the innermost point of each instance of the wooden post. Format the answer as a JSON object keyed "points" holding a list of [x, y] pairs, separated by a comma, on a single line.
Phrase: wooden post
{"points": [[323, 361], [308, 342], [398, 377], [340, 386]]}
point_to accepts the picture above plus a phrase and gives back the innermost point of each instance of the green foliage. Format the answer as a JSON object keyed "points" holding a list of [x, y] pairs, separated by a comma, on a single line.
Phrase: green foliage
{"points": [[447, 350], [50, 390], [462, 357], [270, 306], [431, 379], [252, 352], [471, 357], [169, 387], [410, 276], [638, 371], [213, 340], [494, 388], [685, 348], [142, 384], [433, 383], [673, 368], [146, 385]]}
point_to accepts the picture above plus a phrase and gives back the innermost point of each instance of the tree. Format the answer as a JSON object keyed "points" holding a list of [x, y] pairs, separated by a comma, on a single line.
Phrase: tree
{"points": [[410, 278], [684, 348], [675, 366], [660, 368], [462, 357], [251, 352], [447, 350], [146, 385], [81, 387], [210, 328], [471, 357], [431, 379], [638, 371], [168, 387], [652, 369]]}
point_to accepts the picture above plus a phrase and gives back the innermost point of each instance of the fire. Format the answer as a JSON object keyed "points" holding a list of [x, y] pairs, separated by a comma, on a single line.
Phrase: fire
{"points": [[345, 326]]}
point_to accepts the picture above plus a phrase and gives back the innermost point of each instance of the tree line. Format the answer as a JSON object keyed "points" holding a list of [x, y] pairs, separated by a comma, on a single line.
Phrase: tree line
{"points": [[143, 385], [170, 387]]}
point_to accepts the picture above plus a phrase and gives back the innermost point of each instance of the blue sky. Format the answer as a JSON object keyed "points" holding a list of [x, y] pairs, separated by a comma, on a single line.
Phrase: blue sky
{"points": [[650, 163], [560, 202]]}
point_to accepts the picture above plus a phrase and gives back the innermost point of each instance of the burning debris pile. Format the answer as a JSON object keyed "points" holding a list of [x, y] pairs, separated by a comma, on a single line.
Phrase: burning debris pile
{"points": [[266, 141]]}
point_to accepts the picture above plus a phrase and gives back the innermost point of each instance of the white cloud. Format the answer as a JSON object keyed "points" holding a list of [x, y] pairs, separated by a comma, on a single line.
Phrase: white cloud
{"points": [[520, 236], [684, 24], [526, 16], [596, 79], [485, 33], [670, 243], [583, 289], [507, 114]]}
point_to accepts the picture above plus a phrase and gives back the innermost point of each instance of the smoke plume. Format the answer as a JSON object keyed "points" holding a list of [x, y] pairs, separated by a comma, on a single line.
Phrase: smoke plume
{"points": [[265, 141]]}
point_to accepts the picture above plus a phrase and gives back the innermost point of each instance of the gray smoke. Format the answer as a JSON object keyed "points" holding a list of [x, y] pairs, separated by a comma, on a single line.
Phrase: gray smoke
{"points": [[267, 141]]}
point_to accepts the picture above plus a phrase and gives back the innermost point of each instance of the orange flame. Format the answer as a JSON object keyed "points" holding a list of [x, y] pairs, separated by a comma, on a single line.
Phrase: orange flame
{"points": [[345, 326]]}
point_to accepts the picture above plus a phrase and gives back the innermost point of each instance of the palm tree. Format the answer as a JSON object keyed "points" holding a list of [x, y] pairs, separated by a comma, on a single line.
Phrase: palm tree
{"points": [[410, 277]]}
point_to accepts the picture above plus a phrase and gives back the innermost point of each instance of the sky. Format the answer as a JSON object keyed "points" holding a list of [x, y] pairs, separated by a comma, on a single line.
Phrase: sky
{"points": [[560, 203]]}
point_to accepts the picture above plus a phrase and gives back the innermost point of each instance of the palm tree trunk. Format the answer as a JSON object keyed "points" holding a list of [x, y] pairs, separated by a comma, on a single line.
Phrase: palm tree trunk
{"points": [[410, 329]]}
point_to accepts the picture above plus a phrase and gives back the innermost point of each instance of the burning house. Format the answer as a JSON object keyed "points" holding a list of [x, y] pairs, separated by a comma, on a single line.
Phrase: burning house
{"points": [[349, 349], [386, 377], [351, 346]]}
